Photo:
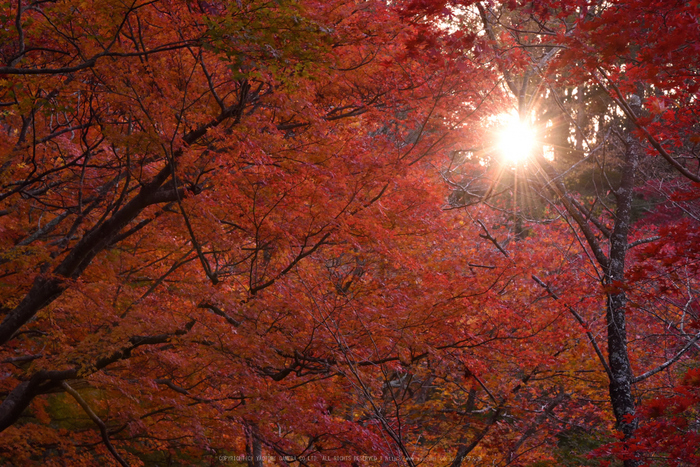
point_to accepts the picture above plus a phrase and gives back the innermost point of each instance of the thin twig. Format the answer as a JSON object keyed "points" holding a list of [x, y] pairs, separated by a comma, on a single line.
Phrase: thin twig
{"points": [[93, 416], [580, 320]]}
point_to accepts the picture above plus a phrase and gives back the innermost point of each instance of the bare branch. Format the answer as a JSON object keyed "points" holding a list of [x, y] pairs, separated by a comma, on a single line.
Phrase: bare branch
{"points": [[643, 241], [624, 105], [93, 416], [669, 362], [580, 320], [488, 237]]}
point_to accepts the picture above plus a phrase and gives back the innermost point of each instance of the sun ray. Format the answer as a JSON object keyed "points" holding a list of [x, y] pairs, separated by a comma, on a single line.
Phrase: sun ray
{"points": [[516, 141]]}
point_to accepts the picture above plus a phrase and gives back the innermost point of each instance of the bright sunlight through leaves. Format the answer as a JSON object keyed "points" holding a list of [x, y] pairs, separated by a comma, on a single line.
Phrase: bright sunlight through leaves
{"points": [[516, 140]]}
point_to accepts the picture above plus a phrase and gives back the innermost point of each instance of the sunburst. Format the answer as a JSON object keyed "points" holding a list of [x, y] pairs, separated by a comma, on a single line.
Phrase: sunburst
{"points": [[516, 141]]}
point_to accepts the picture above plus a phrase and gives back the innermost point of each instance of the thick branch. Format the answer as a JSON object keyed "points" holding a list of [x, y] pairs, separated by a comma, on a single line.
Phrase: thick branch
{"points": [[45, 381], [219, 312], [589, 216], [642, 241], [557, 186], [45, 289]]}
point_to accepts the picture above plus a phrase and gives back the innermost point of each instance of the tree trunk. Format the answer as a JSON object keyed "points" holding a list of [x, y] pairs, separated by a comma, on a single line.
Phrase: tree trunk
{"points": [[253, 446], [618, 357]]}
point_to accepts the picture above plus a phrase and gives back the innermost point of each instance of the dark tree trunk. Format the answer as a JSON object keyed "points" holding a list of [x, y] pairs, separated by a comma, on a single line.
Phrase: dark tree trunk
{"points": [[253, 446], [621, 396]]}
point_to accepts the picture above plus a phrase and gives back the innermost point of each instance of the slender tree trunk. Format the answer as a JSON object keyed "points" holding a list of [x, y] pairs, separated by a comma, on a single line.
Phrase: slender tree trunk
{"points": [[621, 396], [613, 264], [253, 446]]}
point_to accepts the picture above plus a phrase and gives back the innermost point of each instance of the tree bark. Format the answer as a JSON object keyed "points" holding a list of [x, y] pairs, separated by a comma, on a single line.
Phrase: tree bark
{"points": [[613, 265], [621, 381], [253, 446]]}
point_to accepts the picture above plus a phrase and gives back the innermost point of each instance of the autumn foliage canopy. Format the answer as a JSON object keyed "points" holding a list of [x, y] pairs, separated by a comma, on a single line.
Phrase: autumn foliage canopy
{"points": [[281, 233]]}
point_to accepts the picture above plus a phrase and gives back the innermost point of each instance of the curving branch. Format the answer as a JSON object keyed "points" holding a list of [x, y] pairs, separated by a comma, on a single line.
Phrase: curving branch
{"points": [[100, 424], [669, 362], [627, 109]]}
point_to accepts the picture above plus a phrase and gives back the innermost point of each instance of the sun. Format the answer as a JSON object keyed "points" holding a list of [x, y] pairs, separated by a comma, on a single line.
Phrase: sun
{"points": [[516, 140]]}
